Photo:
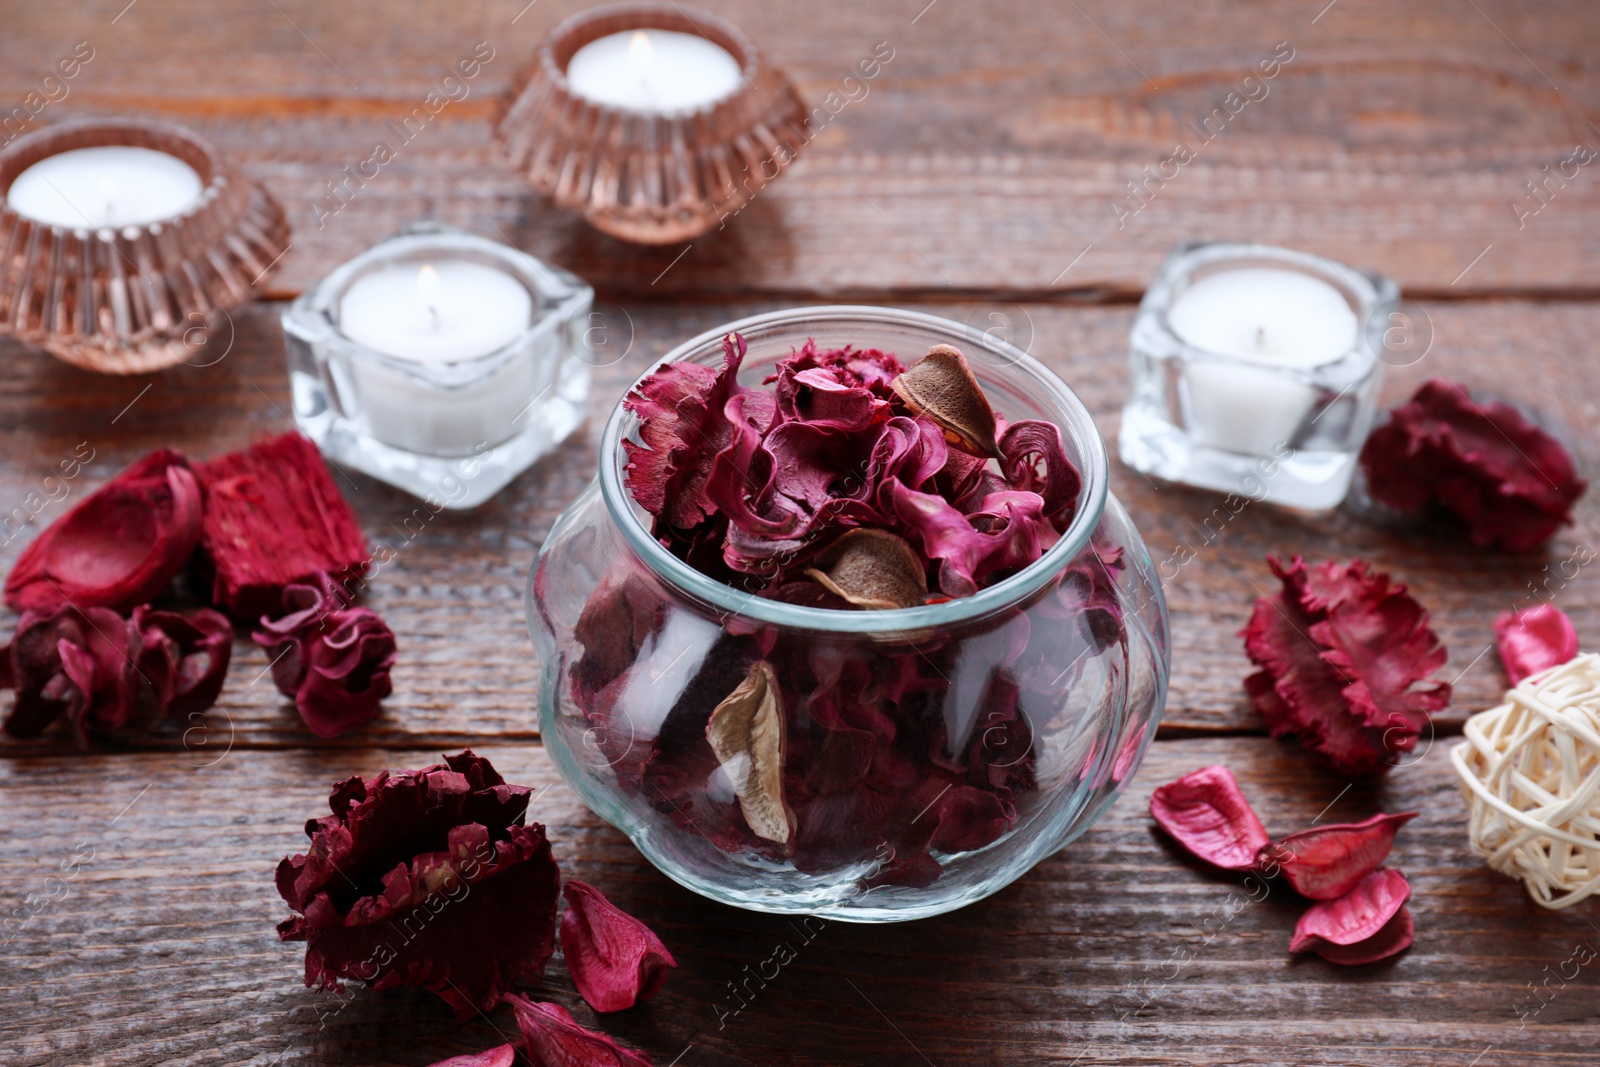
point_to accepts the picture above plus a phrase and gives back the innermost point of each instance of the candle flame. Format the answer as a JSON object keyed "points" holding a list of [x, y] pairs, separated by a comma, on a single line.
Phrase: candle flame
{"points": [[428, 284], [640, 53]]}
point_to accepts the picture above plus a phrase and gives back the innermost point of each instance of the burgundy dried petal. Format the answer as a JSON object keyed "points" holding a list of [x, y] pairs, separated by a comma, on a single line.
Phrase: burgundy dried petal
{"points": [[1205, 812], [1512, 484], [1533, 639], [332, 658], [73, 663], [1326, 862], [872, 569], [184, 658], [274, 517], [1030, 445], [1367, 924], [551, 1037], [499, 1056], [425, 878], [119, 547], [615, 960], [1346, 656], [941, 387]]}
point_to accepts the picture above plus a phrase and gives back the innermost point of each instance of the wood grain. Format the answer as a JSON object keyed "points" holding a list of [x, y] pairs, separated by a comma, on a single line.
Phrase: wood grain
{"points": [[1115, 951]]}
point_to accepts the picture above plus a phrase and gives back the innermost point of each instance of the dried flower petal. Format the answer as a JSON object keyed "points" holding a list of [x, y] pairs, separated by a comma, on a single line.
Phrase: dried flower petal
{"points": [[1510, 482], [499, 1056], [746, 732], [615, 960], [119, 547], [332, 658], [184, 658], [872, 569], [425, 878], [272, 517], [1344, 654], [1031, 444], [1326, 862], [73, 663], [552, 1038], [1533, 639], [941, 386], [1205, 812], [1367, 924]]}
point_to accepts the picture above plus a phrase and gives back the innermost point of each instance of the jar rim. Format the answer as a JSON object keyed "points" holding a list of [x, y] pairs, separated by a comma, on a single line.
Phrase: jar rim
{"points": [[1074, 420]]}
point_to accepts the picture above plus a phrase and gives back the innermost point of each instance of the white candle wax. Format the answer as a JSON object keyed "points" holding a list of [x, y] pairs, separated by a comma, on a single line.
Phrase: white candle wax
{"points": [[108, 185], [439, 313], [1268, 317], [653, 70]]}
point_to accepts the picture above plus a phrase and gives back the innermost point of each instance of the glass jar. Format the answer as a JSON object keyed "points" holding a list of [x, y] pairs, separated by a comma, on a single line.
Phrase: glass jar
{"points": [[929, 755]]}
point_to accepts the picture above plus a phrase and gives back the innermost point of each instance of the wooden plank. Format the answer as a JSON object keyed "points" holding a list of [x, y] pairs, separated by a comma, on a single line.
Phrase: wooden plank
{"points": [[1115, 951], [454, 595], [986, 156]]}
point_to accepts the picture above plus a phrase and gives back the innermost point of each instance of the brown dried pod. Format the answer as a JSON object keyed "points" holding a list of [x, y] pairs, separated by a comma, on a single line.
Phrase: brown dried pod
{"points": [[941, 386], [872, 569], [746, 731]]}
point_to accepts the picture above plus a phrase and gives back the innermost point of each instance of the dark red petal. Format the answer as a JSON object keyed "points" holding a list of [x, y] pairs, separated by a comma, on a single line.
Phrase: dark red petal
{"points": [[1533, 639], [73, 663], [1367, 924], [1326, 862], [552, 1038], [1205, 812], [347, 672], [184, 658], [120, 546], [499, 1056], [1031, 444], [615, 960]]}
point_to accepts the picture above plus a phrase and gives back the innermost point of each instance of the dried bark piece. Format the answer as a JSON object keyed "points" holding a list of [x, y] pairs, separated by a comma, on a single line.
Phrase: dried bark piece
{"points": [[615, 960], [872, 569], [941, 387], [746, 732], [1205, 812], [1326, 862], [1367, 924], [1534, 639]]}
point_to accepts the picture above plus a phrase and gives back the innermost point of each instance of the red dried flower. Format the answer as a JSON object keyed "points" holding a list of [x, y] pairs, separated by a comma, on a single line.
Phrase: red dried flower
{"points": [[425, 878], [1533, 639], [1367, 924], [120, 546], [1205, 812], [273, 517], [183, 658], [1344, 653], [1509, 481], [69, 662], [499, 1056], [615, 960], [1326, 862], [551, 1037], [333, 659]]}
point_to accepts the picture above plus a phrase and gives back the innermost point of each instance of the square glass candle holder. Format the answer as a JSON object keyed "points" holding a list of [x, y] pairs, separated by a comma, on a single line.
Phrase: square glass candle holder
{"points": [[464, 390], [1255, 370]]}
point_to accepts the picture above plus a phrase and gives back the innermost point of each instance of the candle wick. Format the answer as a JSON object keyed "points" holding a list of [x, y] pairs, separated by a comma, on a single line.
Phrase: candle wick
{"points": [[433, 314], [1261, 338]]}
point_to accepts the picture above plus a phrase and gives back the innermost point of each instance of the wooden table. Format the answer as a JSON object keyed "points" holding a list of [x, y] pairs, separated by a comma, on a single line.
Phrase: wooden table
{"points": [[976, 179]]}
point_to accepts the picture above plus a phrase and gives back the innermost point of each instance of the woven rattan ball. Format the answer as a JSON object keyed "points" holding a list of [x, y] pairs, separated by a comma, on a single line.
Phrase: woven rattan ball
{"points": [[1531, 771]]}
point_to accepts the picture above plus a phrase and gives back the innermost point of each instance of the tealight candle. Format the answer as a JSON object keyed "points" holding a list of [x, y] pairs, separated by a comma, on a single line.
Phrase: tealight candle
{"points": [[1266, 318], [653, 70], [105, 186]]}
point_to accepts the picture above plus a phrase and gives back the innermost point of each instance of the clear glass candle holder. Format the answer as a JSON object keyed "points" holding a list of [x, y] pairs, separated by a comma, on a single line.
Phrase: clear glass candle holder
{"points": [[1032, 700], [454, 432], [1268, 430]]}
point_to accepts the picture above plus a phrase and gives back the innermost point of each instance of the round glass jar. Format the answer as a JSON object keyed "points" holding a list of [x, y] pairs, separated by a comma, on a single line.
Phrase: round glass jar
{"points": [[929, 755]]}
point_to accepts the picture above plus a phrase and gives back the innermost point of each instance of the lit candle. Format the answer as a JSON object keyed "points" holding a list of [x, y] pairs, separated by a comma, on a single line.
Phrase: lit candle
{"points": [[105, 186], [1273, 319], [658, 70], [433, 315]]}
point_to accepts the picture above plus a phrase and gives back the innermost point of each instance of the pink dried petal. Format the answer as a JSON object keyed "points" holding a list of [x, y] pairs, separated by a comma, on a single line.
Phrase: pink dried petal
{"points": [[73, 663], [615, 960], [120, 546], [551, 1037], [499, 1056], [1533, 639], [1367, 924], [1346, 656], [184, 658], [1033, 444], [378, 901], [1205, 812], [1326, 862]]}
